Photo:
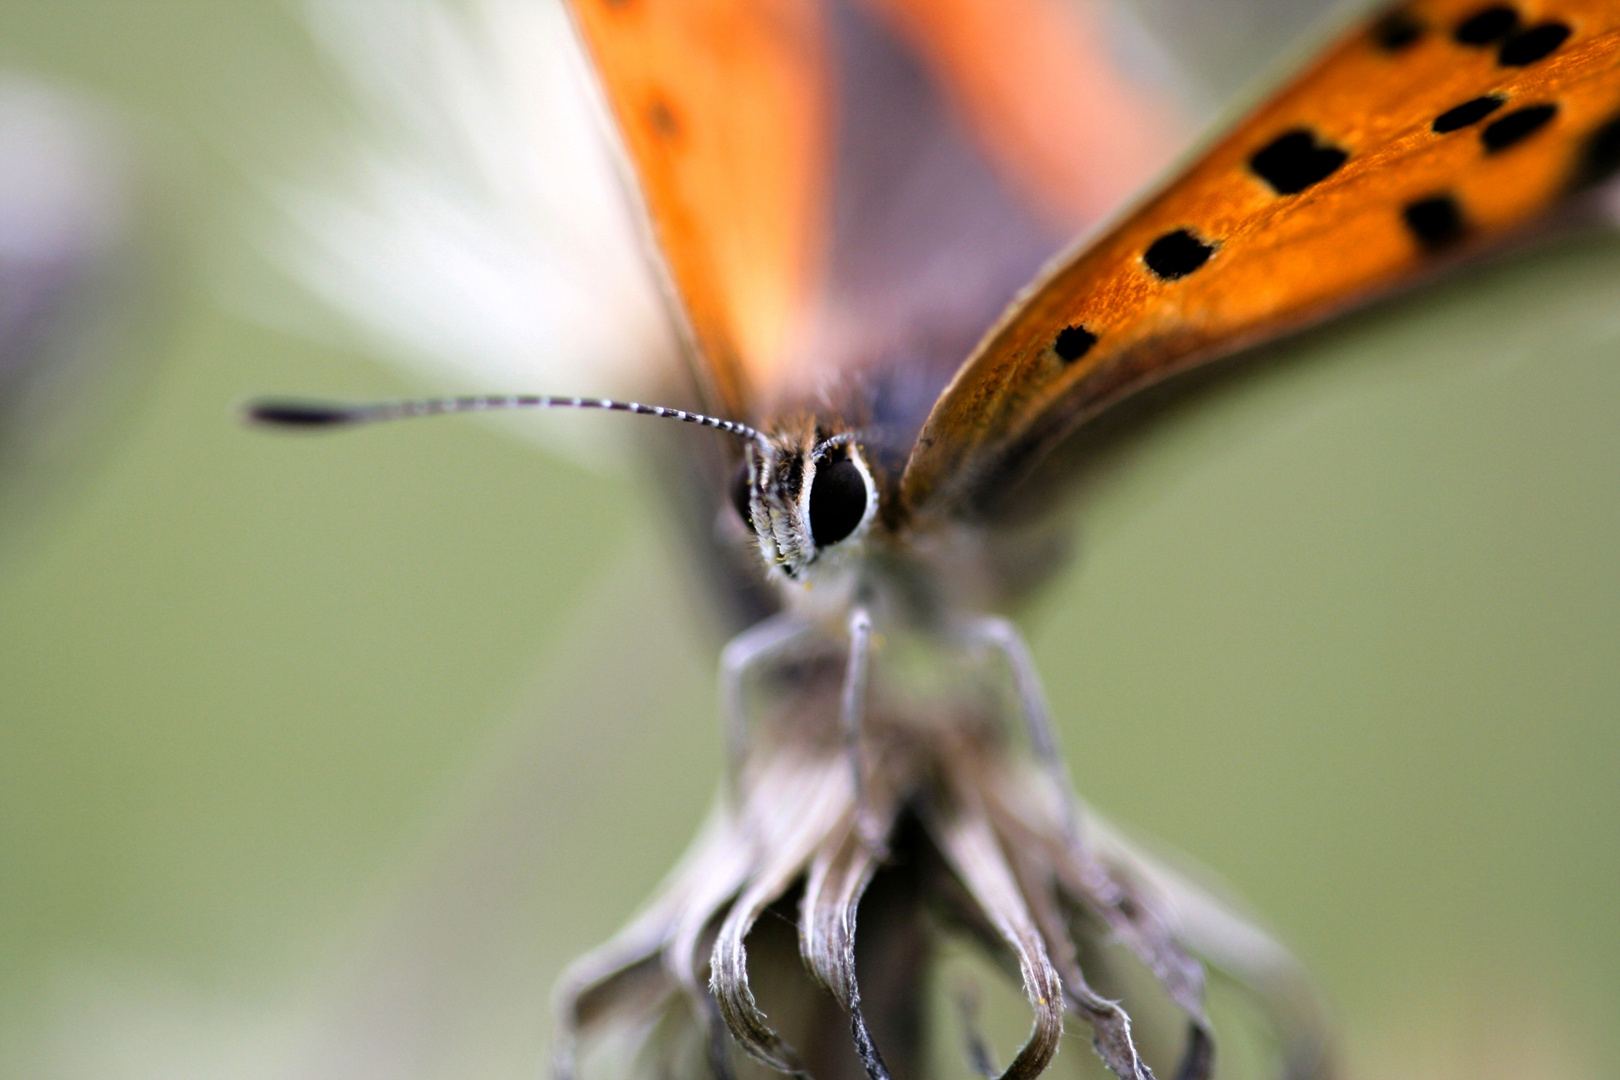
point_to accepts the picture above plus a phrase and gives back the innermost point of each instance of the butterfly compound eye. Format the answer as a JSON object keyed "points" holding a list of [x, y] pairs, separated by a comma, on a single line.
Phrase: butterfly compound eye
{"points": [[741, 496], [837, 500]]}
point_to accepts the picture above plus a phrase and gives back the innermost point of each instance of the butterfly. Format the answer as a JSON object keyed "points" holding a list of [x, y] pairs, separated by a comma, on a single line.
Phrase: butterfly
{"points": [[851, 206]]}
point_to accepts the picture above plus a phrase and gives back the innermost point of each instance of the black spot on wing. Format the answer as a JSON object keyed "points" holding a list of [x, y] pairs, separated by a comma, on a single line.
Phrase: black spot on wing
{"points": [[662, 118], [1531, 45], [1294, 160], [1397, 30], [1600, 156], [1176, 254], [1469, 112], [1073, 342], [1487, 25], [1435, 222], [1516, 127]]}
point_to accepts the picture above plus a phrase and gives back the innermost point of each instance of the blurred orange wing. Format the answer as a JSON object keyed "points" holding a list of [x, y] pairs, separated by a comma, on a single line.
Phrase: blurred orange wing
{"points": [[1036, 83], [1435, 128], [724, 108]]}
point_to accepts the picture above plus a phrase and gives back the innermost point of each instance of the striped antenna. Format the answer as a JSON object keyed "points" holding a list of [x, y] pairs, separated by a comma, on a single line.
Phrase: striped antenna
{"points": [[314, 414]]}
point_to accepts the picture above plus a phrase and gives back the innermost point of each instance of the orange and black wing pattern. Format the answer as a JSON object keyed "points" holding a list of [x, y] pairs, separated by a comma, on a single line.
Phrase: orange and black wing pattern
{"points": [[723, 107], [1425, 133], [810, 168]]}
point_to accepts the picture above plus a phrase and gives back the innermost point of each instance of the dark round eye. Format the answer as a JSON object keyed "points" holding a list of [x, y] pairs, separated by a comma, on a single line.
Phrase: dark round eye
{"points": [[741, 496], [837, 500]]}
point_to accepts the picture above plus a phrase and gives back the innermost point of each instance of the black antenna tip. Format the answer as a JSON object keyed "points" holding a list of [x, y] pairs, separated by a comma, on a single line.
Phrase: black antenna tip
{"points": [[300, 414]]}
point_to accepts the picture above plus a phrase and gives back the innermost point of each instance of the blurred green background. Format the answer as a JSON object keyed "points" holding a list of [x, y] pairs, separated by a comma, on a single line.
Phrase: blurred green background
{"points": [[319, 757]]}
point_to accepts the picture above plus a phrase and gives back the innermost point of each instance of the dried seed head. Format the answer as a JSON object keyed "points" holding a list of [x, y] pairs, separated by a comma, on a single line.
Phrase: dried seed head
{"points": [[972, 837]]}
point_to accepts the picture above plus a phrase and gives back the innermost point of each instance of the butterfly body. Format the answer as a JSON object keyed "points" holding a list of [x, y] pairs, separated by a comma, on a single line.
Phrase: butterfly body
{"points": [[843, 195], [1419, 137]]}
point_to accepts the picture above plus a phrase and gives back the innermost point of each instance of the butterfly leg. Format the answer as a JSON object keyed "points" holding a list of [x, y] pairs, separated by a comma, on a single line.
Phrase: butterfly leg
{"points": [[1002, 636], [852, 714], [755, 647]]}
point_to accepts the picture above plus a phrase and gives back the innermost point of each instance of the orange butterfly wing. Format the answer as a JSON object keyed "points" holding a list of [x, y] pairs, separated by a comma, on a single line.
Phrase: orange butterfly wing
{"points": [[1035, 81], [729, 112], [723, 107], [1436, 128]]}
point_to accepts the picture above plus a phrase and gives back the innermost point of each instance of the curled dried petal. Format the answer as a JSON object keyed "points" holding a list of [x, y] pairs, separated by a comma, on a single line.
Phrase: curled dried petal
{"points": [[1037, 818], [1138, 918], [832, 895], [968, 842], [837, 880], [1211, 925], [1110, 1024], [805, 808], [715, 872], [1137, 915], [629, 973], [998, 853]]}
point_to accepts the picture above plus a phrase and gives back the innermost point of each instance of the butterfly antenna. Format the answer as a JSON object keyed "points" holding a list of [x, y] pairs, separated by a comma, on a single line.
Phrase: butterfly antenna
{"points": [[323, 414], [841, 439]]}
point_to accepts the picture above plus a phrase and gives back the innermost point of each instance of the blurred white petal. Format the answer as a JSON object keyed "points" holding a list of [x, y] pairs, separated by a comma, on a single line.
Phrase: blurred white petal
{"points": [[481, 233]]}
